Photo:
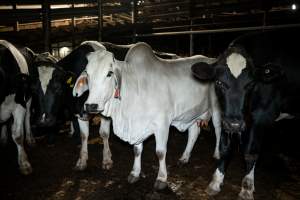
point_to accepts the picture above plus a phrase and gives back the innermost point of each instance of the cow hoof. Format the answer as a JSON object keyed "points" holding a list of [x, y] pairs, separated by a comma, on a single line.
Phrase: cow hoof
{"points": [[107, 165], [245, 195], [80, 165], [211, 191], [160, 185], [26, 168], [132, 179]]}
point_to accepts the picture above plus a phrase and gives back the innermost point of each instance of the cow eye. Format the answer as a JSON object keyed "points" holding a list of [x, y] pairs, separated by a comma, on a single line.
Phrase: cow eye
{"points": [[109, 74], [221, 85]]}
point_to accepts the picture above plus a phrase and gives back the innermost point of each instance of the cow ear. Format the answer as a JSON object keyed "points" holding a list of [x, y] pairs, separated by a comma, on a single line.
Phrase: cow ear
{"points": [[204, 71], [81, 85], [268, 72]]}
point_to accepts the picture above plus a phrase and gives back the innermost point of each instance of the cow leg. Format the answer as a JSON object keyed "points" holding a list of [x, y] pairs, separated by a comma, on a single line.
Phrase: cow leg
{"points": [[29, 137], [83, 157], [3, 138], [71, 129], [214, 186], [247, 190], [194, 131], [252, 145], [216, 120], [18, 137], [104, 132], [161, 139], [136, 169]]}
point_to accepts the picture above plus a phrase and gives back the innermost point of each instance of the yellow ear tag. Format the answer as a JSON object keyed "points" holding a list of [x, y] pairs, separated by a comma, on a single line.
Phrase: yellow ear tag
{"points": [[69, 81]]}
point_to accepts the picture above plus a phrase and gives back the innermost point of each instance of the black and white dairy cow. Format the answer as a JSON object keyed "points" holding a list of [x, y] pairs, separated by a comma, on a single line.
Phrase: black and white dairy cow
{"points": [[15, 99], [257, 79], [144, 95], [52, 92]]}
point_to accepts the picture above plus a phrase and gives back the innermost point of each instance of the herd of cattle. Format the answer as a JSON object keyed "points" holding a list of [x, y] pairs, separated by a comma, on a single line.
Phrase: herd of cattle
{"points": [[254, 83]]}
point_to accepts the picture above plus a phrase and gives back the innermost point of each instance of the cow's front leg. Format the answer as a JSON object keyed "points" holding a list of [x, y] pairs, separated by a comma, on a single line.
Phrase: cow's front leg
{"points": [[136, 169], [252, 144], [161, 139], [247, 190], [84, 133], [104, 131], [194, 132], [214, 186], [3, 138], [18, 137], [29, 137]]}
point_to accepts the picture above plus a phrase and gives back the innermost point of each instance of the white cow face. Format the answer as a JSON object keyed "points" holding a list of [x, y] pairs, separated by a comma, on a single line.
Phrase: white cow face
{"points": [[100, 79]]}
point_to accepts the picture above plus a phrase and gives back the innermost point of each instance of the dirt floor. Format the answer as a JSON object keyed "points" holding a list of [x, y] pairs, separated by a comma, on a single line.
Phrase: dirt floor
{"points": [[54, 177]]}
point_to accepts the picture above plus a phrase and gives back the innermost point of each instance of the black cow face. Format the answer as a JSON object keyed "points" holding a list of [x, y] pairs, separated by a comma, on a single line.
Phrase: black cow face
{"points": [[49, 94], [237, 84]]}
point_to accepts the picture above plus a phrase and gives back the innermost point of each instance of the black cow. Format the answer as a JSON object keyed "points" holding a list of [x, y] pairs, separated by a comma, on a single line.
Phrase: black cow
{"points": [[256, 80], [15, 98], [54, 103]]}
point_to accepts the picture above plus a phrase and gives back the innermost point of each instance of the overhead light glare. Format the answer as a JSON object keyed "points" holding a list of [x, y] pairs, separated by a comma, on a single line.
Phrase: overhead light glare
{"points": [[294, 6]]}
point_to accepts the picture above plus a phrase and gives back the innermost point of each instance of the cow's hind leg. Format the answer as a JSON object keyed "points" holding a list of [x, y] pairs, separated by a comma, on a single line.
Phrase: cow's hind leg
{"points": [[136, 169], [83, 157], [18, 137], [216, 120], [104, 131], [194, 132], [161, 139], [214, 186], [29, 137]]}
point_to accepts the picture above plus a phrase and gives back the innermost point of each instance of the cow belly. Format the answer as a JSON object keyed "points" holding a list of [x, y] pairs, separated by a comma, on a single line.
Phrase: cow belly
{"points": [[185, 120]]}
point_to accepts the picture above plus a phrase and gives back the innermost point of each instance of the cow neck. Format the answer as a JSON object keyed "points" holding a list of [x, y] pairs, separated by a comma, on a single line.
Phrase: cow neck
{"points": [[113, 104]]}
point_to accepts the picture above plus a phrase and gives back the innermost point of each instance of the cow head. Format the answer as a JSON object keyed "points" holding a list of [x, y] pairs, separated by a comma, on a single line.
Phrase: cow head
{"points": [[102, 79], [237, 80], [49, 88]]}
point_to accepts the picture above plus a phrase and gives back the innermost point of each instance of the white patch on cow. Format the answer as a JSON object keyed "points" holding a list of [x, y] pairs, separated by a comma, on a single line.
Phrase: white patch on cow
{"points": [[236, 63], [45, 75], [17, 55], [217, 181], [94, 44], [284, 116], [248, 181]]}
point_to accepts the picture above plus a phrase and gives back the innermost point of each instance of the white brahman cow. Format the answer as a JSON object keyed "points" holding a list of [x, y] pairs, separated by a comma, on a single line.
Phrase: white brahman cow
{"points": [[144, 95]]}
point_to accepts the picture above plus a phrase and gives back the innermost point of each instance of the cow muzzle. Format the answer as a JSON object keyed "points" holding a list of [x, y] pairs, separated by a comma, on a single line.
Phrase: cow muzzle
{"points": [[92, 108], [233, 125]]}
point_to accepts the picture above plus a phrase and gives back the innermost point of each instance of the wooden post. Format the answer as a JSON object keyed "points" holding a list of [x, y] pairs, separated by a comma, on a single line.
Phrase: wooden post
{"points": [[100, 21], [191, 41], [134, 19], [16, 24], [191, 28], [73, 24], [46, 25]]}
